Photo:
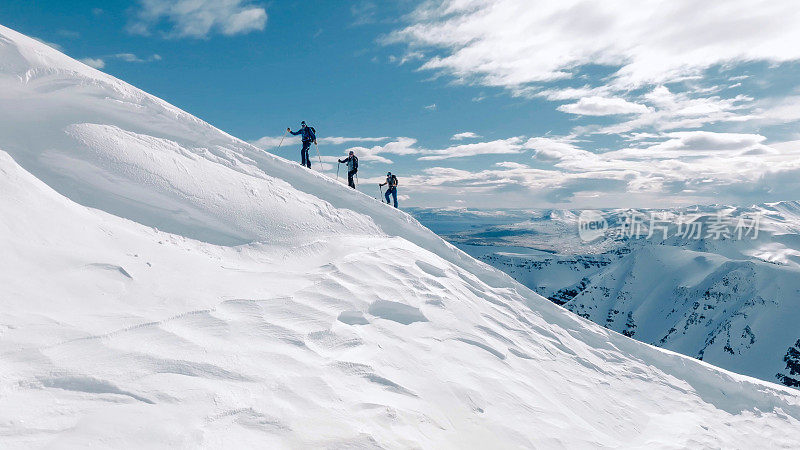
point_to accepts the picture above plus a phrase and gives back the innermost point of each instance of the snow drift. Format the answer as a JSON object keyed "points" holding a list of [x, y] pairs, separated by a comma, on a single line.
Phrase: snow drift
{"points": [[167, 285], [730, 300]]}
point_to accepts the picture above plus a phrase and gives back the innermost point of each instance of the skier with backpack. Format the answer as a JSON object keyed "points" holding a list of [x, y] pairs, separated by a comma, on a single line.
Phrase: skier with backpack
{"points": [[391, 181], [308, 135], [352, 168]]}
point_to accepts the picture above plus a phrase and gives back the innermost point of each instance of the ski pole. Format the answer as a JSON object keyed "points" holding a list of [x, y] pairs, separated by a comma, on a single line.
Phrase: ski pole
{"points": [[381, 189], [337, 171], [318, 156], [279, 145]]}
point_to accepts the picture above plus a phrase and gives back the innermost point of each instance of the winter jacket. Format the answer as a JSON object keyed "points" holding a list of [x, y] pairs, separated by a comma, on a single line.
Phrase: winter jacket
{"points": [[352, 163], [307, 134]]}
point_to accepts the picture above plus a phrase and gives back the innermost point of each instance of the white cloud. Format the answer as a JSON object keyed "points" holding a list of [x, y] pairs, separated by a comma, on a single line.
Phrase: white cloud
{"points": [[497, 147], [684, 105], [510, 165], [555, 150], [708, 141], [639, 47], [517, 181], [100, 62], [676, 168], [641, 68], [778, 110], [669, 111], [787, 147], [693, 144], [364, 12], [603, 106], [334, 140], [132, 58], [271, 142], [400, 146], [244, 21], [407, 57], [491, 41], [199, 18], [97, 63], [128, 57], [698, 165], [567, 93], [465, 135]]}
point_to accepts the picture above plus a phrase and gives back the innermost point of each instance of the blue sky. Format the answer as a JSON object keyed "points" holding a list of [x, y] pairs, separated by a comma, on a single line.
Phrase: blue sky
{"points": [[504, 103]]}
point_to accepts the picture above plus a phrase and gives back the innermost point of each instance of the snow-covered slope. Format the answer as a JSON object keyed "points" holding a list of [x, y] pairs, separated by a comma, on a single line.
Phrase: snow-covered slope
{"points": [[732, 302], [166, 285]]}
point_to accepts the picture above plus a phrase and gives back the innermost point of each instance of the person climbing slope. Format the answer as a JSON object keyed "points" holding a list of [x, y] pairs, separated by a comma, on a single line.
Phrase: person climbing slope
{"points": [[308, 135], [352, 168], [391, 181]]}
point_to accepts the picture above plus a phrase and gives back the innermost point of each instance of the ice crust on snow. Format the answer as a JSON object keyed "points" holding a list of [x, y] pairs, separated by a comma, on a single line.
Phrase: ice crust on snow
{"points": [[167, 285]]}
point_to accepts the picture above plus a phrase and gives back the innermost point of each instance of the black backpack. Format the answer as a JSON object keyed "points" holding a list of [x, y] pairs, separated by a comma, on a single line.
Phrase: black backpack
{"points": [[355, 162], [394, 181]]}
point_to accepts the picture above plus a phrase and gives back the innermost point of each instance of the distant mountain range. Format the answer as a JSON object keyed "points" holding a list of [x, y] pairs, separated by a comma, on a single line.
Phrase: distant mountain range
{"points": [[723, 286]]}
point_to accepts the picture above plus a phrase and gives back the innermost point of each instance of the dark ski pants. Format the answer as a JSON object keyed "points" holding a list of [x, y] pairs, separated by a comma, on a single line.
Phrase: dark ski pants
{"points": [[350, 181], [305, 160], [393, 192]]}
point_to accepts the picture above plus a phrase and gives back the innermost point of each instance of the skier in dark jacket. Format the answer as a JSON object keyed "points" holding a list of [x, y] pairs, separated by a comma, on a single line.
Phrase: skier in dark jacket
{"points": [[309, 137], [391, 181], [352, 168]]}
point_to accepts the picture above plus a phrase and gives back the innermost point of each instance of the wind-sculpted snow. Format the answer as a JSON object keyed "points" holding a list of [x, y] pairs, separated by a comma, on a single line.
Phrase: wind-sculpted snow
{"points": [[108, 145], [732, 302], [336, 322]]}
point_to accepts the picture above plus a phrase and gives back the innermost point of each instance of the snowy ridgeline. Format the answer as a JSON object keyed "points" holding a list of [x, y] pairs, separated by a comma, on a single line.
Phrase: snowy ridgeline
{"points": [[717, 283], [165, 285]]}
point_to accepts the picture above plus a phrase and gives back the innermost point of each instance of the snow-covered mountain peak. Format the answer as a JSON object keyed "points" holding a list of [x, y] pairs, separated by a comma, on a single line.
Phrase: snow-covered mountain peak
{"points": [[24, 57], [167, 285]]}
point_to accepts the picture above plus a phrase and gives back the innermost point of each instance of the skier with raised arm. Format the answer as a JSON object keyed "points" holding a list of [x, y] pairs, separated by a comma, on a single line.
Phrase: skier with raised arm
{"points": [[391, 181], [352, 168], [308, 135]]}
